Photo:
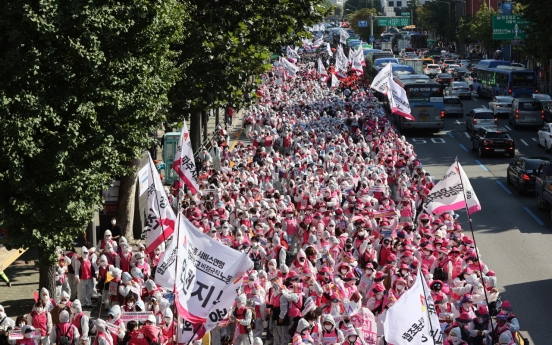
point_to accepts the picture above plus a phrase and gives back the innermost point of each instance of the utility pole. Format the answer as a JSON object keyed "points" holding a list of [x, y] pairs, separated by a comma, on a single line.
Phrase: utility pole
{"points": [[371, 25]]}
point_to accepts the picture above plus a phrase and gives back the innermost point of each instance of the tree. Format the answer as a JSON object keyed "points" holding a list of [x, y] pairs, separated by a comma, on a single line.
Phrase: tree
{"points": [[482, 29], [364, 14], [464, 33], [83, 84], [413, 6], [538, 42], [356, 5], [232, 42], [437, 17]]}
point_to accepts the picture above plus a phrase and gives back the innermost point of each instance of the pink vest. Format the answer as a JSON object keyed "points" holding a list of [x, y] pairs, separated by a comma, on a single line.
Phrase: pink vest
{"points": [[85, 269], [40, 322], [291, 226]]}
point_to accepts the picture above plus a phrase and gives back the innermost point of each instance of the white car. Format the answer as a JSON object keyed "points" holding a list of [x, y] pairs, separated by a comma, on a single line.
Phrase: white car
{"points": [[432, 70], [501, 104], [450, 68], [544, 136]]}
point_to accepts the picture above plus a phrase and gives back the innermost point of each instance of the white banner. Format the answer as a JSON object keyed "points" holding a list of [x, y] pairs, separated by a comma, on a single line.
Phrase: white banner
{"points": [[184, 163], [335, 81], [343, 35], [166, 269], [209, 275], [290, 68], [322, 71], [328, 49], [413, 319], [398, 102], [365, 322], [381, 81], [161, 217], [292, 54], [448, 194]]}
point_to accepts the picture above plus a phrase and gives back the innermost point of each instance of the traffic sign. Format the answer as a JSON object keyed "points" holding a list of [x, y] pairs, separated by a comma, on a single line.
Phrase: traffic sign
{"points": [[393, 21], [372, 39], [509, 27], [405, 14], [362, 23]]}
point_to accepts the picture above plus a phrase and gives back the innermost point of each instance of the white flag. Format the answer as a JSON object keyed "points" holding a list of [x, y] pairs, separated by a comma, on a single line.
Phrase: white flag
{"points": [[335, 82], [290, 68], [166, 268], [328, 49], [413, 319], [381, 80], [448, 194], [209, 275], [322, 71], [398, 102], [343, 35], [184, 164], [161, 218], [292, 54]]}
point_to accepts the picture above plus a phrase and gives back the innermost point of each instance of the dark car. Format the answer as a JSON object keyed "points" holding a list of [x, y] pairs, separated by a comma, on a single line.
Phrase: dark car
{"points": [[444, 78], [493, 140], [459, 73], [548, 113], [522, 173]]}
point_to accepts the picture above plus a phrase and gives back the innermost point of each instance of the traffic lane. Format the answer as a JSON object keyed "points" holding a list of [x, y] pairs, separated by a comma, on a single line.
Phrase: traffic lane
{"points": [[498, 165], [510, 240]]}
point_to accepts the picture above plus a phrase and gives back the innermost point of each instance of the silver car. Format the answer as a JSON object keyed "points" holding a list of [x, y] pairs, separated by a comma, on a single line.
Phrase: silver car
{"points": [[458, 88], [501, 105], [526, 112], [479, 118], [543, 98]]}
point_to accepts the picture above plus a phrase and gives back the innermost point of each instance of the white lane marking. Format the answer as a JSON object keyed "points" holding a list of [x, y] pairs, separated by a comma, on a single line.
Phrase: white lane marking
{"points": [[457, 122], [508, 128], [534, 139], [467, 135], [475, 99], [523, 141]]}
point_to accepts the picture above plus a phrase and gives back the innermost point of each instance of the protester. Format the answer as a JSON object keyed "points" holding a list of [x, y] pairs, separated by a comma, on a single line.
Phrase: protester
{"points": [[328, 202]]}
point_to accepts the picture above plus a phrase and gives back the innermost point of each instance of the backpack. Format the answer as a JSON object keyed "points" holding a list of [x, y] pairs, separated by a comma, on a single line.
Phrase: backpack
{"points": [[64, 339], [440, 274], [289, 257], [252, 324]]}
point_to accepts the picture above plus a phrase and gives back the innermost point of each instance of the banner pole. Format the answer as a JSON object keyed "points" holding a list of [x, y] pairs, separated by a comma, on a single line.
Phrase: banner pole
{"points": [[476, 250], [157, 200], [427, 309]]}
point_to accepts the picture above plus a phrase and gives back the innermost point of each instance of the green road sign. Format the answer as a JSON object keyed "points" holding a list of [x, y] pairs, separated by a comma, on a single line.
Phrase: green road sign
{"points": [[393, 21], [405, 13], [509, 27]]}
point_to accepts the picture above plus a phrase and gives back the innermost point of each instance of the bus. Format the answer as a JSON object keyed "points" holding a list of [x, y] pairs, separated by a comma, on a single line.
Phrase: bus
{"points": [[503, 80], [426, 102], [418, 41]]}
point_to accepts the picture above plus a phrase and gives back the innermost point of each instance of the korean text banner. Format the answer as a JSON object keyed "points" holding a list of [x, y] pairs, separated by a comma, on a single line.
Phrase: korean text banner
{"points": [[209, 275], [448, 193], [184, 163], [381, 80], [413, 319], [161, 217]]}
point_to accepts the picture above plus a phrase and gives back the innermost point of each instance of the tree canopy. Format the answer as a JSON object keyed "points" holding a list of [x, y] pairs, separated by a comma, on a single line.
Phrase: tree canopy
{"points": [[538, 42]]}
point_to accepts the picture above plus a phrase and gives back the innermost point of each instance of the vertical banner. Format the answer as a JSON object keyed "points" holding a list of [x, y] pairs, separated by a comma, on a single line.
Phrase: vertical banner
{"points": [[381, 80], [365, 322], [413, 319], [184, 163], [209, 276], [161, 217], [398, 101]]}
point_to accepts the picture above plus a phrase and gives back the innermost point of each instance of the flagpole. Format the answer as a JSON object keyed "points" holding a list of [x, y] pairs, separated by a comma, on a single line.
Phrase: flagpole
{"points": [[427, 309], [476, 250], [157, 200], [175, 309]]}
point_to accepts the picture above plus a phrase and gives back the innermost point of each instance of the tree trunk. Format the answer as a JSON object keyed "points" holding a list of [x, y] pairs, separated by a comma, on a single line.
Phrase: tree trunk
{"points": [[126, 203], [195, 131], [204, 120], [47, 274]]}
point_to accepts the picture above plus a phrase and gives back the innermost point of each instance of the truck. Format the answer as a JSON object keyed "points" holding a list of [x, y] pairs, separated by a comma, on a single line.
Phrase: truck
{"points": [[417, 64], [403, 44], [387, 46], [543, 186]]}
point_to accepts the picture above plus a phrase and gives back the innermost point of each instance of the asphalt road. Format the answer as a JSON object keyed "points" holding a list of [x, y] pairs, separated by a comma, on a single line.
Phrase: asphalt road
{"points": [[513, 236]]}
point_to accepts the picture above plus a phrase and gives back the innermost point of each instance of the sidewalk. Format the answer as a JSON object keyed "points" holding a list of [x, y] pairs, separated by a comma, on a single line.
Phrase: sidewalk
{"points": [[18, 300]]}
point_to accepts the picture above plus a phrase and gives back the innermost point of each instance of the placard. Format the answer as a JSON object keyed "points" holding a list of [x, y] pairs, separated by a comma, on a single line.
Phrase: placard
{"points": [[136, 316]]}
